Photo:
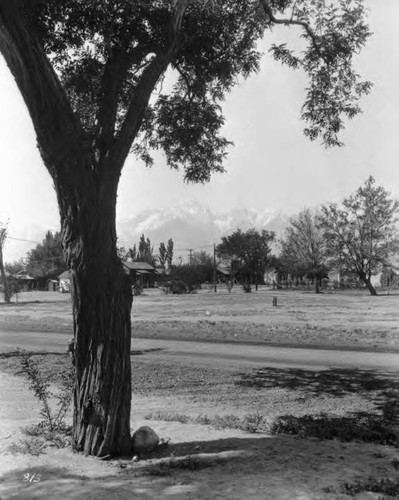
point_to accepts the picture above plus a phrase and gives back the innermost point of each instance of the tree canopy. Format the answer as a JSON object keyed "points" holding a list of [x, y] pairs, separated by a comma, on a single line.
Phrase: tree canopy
{"points": [[361, 232], [46, 260], [109, 55], [248, 252]]}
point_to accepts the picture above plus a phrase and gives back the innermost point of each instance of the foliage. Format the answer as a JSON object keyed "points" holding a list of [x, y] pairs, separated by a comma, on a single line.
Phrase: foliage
{"points": [[165, 255], [303, 249], [92, 44], [191, 276], [16, 266], [251, 422], [46, 260], [334, 31], [14, 287], [145, 251], [248, 251], [361, 233], [162, 255], [53, 421], [123, 254], [201, 258], [169, 252], [32, 445]]}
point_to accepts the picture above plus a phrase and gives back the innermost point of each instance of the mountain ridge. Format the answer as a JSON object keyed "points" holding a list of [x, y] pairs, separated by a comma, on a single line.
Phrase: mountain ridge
{"points": [[190, 225], [193, 226]]}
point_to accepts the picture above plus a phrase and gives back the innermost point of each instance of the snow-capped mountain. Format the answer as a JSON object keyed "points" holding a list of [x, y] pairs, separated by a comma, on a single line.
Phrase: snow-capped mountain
{"points": [[192, 226]]}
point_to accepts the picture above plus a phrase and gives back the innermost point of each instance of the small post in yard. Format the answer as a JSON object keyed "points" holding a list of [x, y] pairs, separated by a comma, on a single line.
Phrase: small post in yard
{"points": [[275, 301], [214, 268]]}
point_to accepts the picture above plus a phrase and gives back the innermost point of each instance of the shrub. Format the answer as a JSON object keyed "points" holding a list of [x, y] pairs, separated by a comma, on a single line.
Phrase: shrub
{"points": [[53, 426], [362, 427]]}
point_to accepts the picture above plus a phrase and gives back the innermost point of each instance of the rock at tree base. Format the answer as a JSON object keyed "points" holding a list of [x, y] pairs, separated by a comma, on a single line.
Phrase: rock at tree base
{"points": [[144, 440]]}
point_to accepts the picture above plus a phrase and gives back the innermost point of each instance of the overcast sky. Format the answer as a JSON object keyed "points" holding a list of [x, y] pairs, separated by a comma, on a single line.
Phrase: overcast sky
{"points": [[271, 166]]}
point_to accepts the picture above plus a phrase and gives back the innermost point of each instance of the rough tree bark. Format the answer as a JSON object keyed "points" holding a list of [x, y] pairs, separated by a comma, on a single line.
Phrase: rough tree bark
{"points": [[102, 301]]}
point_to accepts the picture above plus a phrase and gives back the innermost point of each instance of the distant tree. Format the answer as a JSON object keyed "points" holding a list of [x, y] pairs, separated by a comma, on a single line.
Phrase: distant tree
{"points": [[16, 266], [361, 233], [204, 262], [187, 277], [123, 254], [202, 258], [169, 252], [248, 251], [303, 248], [3, 238], [46, 260], [145, 252], [132, 253], [162, 255]]}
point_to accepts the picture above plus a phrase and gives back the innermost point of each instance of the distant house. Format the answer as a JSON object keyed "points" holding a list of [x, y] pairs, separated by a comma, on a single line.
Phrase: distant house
{"points": [[25, 281], [141, 273], [64, 282], [389, 277], [224, 274]]}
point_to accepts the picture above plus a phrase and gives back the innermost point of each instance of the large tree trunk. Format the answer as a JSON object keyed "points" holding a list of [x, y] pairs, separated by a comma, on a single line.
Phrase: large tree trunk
{"points": [[101, 308], [102, 301]]}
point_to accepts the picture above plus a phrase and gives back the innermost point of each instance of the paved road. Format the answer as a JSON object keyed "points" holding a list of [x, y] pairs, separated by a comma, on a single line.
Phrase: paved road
{"points": [[218, 354]]}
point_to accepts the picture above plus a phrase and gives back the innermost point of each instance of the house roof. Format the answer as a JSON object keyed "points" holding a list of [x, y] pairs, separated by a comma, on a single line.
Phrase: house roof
{"points": [[66, 275], [139, 266], [23, 276], [223, 270]]}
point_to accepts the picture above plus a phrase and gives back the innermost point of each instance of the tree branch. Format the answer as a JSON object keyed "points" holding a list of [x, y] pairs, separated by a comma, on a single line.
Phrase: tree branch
{"points": [[296, 22], [186, 78], [145, 87]]}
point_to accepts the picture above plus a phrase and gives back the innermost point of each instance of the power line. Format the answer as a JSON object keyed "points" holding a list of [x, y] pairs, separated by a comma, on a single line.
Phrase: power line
{"points": [[22, 239]]}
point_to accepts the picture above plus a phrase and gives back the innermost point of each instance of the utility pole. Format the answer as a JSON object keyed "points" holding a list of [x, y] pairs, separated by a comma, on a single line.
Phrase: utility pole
{"points": [[214, 268], [190, 250]]}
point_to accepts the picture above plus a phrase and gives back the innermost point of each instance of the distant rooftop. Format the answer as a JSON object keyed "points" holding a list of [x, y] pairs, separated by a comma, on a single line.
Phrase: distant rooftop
{"points": [[139, 266]]}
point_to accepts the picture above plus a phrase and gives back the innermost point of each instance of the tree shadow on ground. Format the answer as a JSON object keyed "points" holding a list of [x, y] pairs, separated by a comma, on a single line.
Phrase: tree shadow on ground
{"points": [[336, 382], [279, 466]]}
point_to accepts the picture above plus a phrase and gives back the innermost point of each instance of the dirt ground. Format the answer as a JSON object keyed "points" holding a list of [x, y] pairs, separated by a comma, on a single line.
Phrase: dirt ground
{"points": [[202, 462], [344, 319]]}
